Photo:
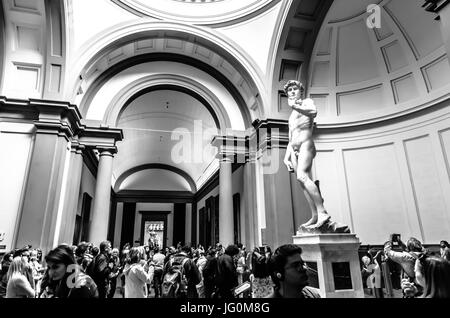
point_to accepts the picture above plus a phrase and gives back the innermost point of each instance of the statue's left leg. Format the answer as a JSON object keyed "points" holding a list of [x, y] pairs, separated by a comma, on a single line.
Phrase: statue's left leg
{"points": [[305, 159], [312, 205]]}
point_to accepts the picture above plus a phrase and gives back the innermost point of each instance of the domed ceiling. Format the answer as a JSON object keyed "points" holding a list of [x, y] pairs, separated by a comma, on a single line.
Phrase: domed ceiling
{"points": [[196, 11]]}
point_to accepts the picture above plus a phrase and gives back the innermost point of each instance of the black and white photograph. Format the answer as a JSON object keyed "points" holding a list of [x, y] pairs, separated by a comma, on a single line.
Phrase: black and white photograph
{"points": [[217, 156]]}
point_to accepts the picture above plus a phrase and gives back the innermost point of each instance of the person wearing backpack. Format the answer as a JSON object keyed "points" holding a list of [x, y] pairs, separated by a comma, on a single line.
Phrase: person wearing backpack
{"points": [[180, 276]]}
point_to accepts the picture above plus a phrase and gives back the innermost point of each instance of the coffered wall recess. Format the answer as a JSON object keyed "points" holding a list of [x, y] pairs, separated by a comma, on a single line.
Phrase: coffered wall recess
{"points": [[34, 49], [361, 75], [296, 42]]}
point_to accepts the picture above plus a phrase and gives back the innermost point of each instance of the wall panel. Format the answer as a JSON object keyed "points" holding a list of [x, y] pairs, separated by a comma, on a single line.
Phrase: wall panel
{"points": [[375, 193], [326, 171], [445, 144], [427, 189]]}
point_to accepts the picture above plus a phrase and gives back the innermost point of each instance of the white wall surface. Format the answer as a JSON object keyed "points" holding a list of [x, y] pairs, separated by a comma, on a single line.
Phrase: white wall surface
{"points": [[16, 142], [390, 179]]}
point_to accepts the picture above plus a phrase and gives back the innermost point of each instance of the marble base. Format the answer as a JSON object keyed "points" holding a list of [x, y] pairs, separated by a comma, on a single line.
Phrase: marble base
{"points": [[335, 256]]}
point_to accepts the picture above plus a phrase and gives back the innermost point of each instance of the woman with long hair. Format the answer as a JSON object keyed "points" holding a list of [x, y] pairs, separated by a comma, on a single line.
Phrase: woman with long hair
{"points": [[433, 274], [18, 284], [64, 278]]}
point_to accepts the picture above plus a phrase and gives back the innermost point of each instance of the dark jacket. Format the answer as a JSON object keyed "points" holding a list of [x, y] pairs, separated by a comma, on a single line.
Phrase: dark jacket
{"points": [[227, 278], [83, 287], [4, 278], [100, 273]]}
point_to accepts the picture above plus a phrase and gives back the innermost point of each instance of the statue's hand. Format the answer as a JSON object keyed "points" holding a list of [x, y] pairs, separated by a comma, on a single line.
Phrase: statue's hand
{"points": [[292, 101], [289, 166]]}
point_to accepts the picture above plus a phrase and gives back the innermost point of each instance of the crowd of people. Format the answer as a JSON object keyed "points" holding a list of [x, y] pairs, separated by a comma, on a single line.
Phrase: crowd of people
{"points": [[410, 268], [88, 271]]}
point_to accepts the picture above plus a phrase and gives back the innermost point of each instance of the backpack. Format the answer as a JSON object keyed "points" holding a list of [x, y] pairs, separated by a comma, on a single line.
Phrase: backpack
{"points": [[174, 284]]}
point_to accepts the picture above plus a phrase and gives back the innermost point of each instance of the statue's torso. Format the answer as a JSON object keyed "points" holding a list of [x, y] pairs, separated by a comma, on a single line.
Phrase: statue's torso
{"points": [[300, 129]]}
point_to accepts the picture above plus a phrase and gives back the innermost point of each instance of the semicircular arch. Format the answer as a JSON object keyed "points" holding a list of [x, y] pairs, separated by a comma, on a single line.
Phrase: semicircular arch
{"points": [[153, 166], [147, 84], [127, 33]]}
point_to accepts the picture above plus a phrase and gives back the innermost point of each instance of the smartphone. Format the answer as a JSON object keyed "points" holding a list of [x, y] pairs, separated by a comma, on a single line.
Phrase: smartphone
{"points": [[395, 239]]}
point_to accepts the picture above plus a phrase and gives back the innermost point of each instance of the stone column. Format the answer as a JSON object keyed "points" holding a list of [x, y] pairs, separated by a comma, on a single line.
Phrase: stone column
{"points": [[226, 224], [98, 230], [250, 212], [72, 194], [279, 218], [55, 123], [43, 188]]}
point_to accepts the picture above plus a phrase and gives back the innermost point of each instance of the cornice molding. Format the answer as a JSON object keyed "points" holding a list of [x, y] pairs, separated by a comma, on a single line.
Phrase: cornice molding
{"points": [[271, 133], [60, 118], [435, 6], [154, 196], [50, 117], [100, 138]]}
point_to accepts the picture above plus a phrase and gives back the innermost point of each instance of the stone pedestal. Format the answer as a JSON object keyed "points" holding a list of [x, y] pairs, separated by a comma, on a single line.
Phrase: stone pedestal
{"points": [[335, 257]]}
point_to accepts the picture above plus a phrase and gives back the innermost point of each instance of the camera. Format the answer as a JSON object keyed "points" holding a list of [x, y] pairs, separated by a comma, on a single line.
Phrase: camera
{"points": [[395, 239]]}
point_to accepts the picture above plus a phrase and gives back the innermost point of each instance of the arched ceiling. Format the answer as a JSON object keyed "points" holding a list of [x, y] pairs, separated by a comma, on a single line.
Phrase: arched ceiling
{"points": [[360, 75], [155, 179], [165, 127], [203, 12], [206, 86], [155, 176], [190, 45]]}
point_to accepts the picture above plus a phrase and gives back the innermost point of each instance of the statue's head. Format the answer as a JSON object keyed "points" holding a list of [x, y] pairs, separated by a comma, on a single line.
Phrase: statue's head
{"points": [[293, 83]]}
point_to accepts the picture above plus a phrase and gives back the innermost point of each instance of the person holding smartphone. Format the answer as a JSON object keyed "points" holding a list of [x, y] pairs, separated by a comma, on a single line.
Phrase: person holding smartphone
{"points": [[137, 275], [406, 258]]}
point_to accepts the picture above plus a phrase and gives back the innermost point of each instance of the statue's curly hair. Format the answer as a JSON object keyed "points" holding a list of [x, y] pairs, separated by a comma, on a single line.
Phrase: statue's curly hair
{"points": [[293, 83]]}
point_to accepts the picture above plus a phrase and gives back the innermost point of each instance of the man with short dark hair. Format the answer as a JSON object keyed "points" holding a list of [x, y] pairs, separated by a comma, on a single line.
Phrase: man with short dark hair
{"points": [[288, 272], [102, 268]]}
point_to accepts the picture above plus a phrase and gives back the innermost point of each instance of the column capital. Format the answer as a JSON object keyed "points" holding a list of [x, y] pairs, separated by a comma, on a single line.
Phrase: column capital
{"points": [[109, 152], [270, 133], [76, 147], [435, 6], [103, 139], [231, 148]]}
